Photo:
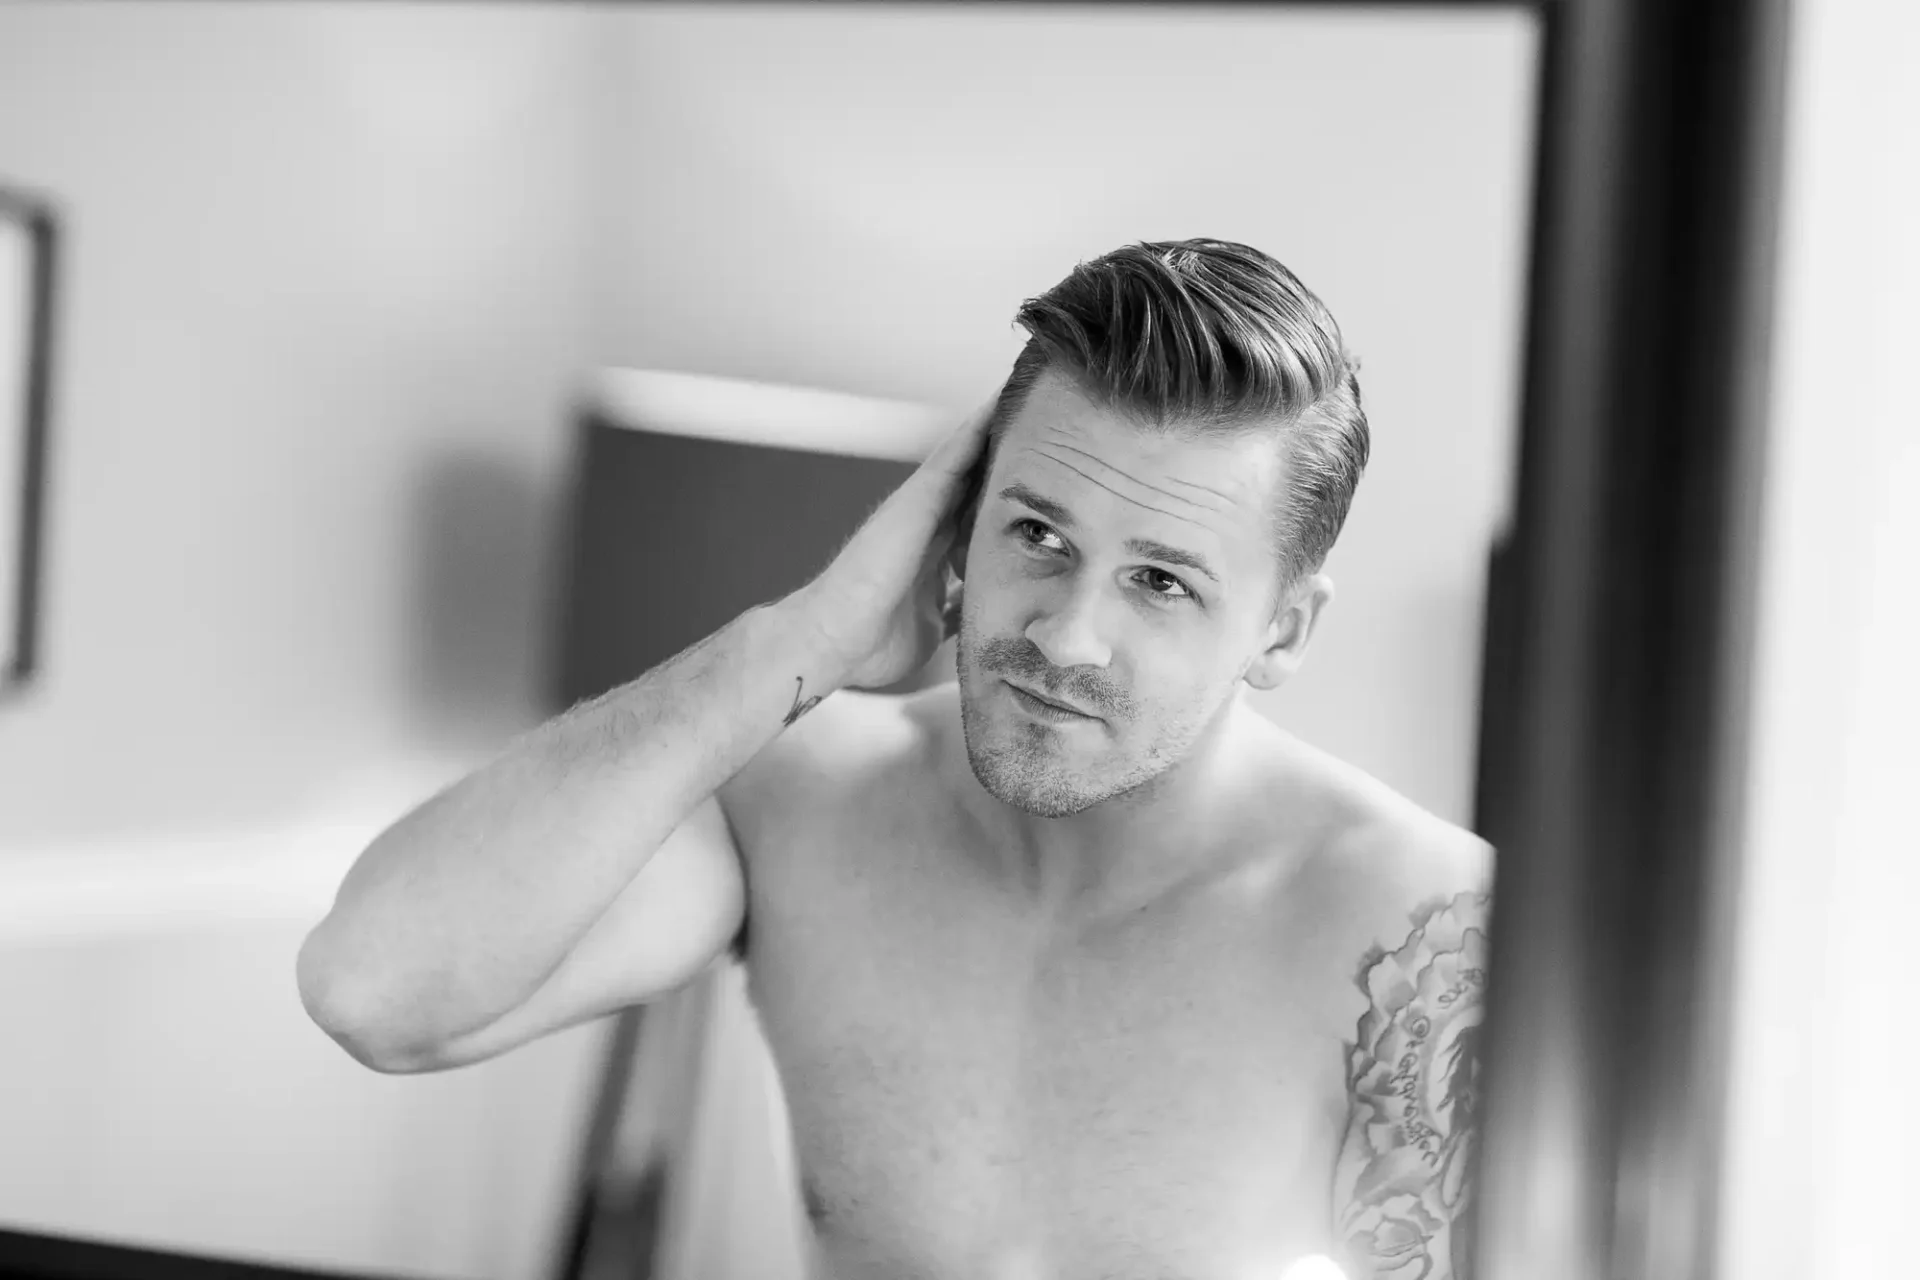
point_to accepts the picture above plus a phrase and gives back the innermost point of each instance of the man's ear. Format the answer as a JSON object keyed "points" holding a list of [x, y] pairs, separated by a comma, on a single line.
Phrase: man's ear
{"points": [[1287, 634]]}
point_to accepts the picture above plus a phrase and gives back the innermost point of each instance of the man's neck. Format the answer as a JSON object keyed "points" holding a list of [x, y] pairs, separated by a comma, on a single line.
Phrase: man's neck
{"points": [[1132, 850]]}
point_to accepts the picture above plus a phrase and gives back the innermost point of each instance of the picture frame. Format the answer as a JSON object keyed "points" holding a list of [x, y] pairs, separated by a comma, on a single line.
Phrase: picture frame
{"points": [[28, 241]]}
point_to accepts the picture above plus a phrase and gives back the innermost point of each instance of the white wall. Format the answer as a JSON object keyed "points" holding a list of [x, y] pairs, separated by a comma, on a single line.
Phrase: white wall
{"points": [[324, 304], [1819, 1167], [323, 301]]}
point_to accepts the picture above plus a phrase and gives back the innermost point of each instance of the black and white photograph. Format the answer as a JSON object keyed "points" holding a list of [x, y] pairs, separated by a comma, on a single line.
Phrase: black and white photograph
{"points": [[923, 640]]}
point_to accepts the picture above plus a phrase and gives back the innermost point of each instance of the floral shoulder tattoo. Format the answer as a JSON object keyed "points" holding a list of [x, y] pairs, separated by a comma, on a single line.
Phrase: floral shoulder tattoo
{"points": [[1403, 1183]]}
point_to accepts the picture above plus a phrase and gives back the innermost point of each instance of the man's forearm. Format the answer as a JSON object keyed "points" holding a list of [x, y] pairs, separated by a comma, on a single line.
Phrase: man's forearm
{"points": [[461, 909]]}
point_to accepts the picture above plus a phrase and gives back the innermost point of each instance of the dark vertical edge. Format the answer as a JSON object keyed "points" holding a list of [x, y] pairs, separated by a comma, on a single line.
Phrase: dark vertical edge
{"points": [[1500, 632], [1623, 601], [31, 539], [1727, 61], [1764, 103], [602, 1123], [566, 635], [1538, 596], [1496, 660]]}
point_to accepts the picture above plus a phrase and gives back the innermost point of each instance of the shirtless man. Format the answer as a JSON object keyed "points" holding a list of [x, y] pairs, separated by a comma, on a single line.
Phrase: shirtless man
{"points": [[1077, 969]]}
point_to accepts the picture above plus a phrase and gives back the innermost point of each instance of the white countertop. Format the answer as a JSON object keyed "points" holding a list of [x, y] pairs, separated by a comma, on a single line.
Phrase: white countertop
{"points": [[121, 885]]}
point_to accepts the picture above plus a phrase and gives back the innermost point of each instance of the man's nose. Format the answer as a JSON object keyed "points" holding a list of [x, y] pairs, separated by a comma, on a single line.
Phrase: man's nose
{"points": [[1069, 631]]}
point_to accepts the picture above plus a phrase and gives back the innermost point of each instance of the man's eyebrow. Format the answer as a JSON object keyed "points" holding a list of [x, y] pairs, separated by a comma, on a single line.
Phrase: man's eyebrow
{"points": [[1018, 492], [1053, 511], [1170, 555]]}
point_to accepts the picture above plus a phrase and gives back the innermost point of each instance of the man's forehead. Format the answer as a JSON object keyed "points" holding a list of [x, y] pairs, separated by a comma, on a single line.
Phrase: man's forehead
{"points": [[1060, 430], [1207, 497]]}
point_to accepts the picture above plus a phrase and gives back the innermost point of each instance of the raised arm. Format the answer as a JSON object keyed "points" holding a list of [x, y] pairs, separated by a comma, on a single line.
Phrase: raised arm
{"points": [[592, 865], [1404, 1181], [589, 865]]}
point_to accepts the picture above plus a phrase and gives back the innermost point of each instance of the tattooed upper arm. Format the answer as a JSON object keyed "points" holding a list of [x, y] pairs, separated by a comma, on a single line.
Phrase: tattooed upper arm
{"points": [[1404, 1179]]}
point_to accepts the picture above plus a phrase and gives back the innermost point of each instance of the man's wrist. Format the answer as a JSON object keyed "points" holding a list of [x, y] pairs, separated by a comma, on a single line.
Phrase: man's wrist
{"points": [[801, 625]]}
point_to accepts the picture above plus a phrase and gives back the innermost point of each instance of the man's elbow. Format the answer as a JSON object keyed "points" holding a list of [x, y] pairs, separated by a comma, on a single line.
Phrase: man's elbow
{"points": [[354, 1014]]}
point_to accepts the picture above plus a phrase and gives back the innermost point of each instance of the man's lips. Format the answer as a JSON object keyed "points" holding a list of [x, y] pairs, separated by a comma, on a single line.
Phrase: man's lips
{"points": [[1052, 702]]}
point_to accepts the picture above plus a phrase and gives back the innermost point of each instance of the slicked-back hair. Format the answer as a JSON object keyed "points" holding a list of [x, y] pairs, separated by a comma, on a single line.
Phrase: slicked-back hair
{"points": [[1207, 337]]}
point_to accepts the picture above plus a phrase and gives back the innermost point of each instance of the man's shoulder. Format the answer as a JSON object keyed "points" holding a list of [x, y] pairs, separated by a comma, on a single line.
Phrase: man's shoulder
{"points": [[1420, 953], [1364, 831], [1378, 857], [1407, 854]]}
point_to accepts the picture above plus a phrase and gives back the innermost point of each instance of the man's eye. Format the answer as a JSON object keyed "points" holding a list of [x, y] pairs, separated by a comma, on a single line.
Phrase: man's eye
{"points": [[1162, 583], [1032, 531]]}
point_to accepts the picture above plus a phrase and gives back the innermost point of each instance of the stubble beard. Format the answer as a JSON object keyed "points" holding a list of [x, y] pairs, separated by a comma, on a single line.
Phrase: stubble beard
{"points": [[1024, 768]]}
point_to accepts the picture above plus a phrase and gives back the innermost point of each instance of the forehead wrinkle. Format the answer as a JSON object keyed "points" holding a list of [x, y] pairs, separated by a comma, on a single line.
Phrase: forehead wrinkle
{"points": [[1224, 497], [1135, 501], [1224, 509]]}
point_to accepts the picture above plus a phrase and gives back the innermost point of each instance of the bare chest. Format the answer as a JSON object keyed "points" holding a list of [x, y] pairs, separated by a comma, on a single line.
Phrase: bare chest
{"points": [[1159, 1095]]}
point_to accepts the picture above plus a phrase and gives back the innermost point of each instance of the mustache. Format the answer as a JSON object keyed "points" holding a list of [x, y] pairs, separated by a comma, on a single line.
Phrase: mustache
{"points": [[1022, 659]]}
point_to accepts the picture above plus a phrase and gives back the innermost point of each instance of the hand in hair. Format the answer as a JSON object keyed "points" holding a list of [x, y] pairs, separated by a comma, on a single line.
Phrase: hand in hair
{"points": [[882, 605]]}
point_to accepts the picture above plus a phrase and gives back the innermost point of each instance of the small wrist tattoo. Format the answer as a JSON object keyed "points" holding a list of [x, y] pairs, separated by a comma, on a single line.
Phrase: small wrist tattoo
{"points": [[801, 706]]}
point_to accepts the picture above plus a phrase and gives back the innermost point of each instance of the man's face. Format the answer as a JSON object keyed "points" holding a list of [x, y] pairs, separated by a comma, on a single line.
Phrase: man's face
{"points": [[1127, 573]]}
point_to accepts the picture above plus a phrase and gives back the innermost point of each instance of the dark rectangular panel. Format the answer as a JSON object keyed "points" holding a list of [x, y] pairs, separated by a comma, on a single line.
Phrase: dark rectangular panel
{"points": [[675, 536]]}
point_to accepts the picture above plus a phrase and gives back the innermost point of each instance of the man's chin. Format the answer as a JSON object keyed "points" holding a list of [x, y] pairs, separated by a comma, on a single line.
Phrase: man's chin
{"points": [[1040, 802], [1036, 791]]}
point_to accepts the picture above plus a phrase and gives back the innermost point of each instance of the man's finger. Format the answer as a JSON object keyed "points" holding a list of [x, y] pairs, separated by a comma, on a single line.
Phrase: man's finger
{"points": [[956, 453]]}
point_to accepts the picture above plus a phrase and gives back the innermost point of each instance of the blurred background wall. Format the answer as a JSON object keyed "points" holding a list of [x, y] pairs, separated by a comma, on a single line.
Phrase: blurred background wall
{"points": [[324, 300], [334, 273]]}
